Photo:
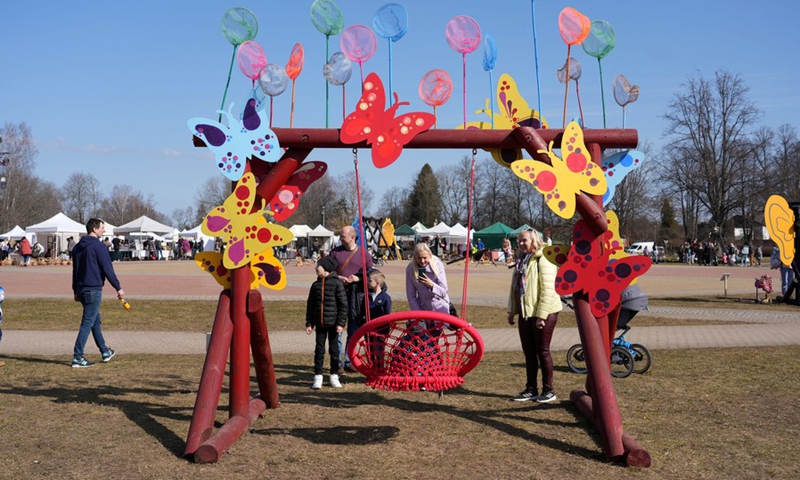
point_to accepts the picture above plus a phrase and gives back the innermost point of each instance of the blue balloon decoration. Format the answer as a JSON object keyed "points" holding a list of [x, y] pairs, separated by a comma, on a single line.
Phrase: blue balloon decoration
{"points": [[489, 53], [391, 22], [338, 69]]}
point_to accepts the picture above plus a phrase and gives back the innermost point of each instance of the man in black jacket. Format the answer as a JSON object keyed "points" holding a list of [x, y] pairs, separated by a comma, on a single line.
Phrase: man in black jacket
{"points": [[90, 268]]}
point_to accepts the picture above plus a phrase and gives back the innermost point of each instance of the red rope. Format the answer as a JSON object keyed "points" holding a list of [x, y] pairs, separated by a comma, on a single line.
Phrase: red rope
{"points": [[468, 253], [363, 237]]}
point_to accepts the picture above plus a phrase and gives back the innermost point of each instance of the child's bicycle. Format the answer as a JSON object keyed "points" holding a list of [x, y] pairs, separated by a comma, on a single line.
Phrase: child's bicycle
{"points": [[626, 357]]}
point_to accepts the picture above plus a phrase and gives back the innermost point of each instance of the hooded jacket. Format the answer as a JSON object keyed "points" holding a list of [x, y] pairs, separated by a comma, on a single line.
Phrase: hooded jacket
{"points": [[539, 299], [327, 303]]}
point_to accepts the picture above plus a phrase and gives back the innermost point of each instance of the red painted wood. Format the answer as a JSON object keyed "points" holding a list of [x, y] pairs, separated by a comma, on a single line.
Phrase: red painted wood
{"points": [[212, 449], [262, 352]]}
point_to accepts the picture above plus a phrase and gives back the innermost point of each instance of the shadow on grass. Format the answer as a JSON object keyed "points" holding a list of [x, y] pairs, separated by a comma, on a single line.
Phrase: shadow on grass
{"points": [[142, 413], [497, 418]]}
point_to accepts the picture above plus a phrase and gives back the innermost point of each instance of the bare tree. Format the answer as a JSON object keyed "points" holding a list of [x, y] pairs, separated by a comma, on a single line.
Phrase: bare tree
{"points": [[82, 197], [785, 180], [185, 218], [708, 127], [393, 203], [454, 182], [211, 193], [314, 203], [125, 204]]}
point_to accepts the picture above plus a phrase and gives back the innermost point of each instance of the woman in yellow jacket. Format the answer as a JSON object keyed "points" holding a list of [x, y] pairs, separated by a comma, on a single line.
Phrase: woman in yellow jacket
{"points": [[534, 301]]}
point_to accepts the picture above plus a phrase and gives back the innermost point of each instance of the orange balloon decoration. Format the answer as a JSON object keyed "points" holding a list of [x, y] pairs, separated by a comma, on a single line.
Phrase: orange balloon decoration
{"points": [[574, 28], [293, 68]]}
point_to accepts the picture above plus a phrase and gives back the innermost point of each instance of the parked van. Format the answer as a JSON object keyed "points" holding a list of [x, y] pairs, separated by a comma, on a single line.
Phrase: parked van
{"points": [[638, 248]]}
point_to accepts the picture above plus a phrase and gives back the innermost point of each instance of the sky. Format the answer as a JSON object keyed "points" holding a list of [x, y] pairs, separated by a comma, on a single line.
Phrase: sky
{"points": [[107, 87]]}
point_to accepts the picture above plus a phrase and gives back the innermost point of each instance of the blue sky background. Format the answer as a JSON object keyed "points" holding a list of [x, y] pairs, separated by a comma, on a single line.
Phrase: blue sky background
{"points": [[107, 87]]}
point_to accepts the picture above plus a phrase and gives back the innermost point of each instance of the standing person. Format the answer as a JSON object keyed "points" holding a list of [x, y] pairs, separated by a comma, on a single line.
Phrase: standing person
{"points": [[380, 304], [25, 250], [348, 257], [533, 300], [159, 249], [426, 281], [70, 246], [326, 310], [508, 254], [115, 244], [90, 268], [759, 255]]}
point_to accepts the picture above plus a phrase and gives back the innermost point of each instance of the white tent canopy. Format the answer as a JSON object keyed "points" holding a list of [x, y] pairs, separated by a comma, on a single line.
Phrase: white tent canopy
{"points": [[458, 234], [417, 227], [143, 224], [321, 232], [59, 223], [441, 229], [300, 230], [16, 233], [197, 232]]}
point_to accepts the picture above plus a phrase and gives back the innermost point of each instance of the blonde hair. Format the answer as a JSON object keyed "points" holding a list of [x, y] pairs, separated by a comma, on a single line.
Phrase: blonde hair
{"points": [[421, 247], [536, 240]]}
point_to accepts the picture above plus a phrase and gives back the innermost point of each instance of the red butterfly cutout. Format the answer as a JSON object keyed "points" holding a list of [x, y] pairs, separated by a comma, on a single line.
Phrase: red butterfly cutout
{"points": [[285, 202], [379, 127], [588, 268]]}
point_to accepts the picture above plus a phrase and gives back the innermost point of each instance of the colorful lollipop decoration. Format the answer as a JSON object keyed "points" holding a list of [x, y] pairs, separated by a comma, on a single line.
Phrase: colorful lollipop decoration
{"points": [[574, 28], [435, 89], [536, 56], [463, 35], [358, 42], [489, 61], [391, 23], [251, 59], [337, 72], [598, 44], [293, 68], [238, 26], [572, 71], [327, 18], [624, 93]]}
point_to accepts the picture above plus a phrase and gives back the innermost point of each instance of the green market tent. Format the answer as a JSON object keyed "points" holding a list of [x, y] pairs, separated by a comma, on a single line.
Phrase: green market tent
{"points": [[515, 233], [404, 231], [493, 235]]}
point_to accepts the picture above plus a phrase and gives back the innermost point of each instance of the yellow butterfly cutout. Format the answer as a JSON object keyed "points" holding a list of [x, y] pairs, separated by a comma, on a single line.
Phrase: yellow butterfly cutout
{"points": [[780, 220], [512, 111], [265, 269], [566, 178], [241, 223]]}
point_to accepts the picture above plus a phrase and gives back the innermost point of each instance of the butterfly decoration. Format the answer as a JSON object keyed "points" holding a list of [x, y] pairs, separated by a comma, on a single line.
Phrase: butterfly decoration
{"points": [[513, 111], [286, 201], [379, 127], [233, 144], [588, 267], [240, 221], [616, 166], [564, 179], [265, 269], [780, 221]]}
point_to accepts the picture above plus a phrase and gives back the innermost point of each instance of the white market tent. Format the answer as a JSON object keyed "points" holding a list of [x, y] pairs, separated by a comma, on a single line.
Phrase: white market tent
{"points": [[143, 224], [417, 227], [441, 229], [458, 234], [56, 230], [321, 232], [16, 233], [197, 232], [300, 231]]}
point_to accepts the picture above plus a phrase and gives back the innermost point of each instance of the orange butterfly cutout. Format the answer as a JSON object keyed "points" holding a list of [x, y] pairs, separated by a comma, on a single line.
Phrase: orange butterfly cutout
{"points": [[379, 127]]}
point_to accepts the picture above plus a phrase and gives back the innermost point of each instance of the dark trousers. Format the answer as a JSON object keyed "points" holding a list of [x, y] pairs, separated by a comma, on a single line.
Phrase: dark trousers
{"points": [[536, 347], [329, 334]]}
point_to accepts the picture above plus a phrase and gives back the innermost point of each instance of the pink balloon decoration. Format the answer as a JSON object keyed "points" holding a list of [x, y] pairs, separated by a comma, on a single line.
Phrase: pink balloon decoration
{"points": [[251, 59], [573, 26], [463, 34], [358, 42], [435, 87], [296, 61]]}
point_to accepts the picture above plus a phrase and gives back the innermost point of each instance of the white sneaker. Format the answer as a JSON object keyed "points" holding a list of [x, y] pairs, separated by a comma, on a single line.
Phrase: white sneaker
{"points": [[335, 381], [317, 382]]}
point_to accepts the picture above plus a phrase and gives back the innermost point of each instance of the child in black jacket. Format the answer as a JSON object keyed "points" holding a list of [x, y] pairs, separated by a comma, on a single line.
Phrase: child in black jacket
{"points": [[326, 310]]}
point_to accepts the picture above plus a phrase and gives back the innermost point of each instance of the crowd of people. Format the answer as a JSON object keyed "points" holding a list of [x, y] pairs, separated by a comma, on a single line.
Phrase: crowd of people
{"points": [[710, 253]]}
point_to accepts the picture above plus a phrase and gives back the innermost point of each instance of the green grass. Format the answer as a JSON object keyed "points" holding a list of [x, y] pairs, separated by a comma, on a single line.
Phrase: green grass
{"points": [[705, 414], [198, 315]]}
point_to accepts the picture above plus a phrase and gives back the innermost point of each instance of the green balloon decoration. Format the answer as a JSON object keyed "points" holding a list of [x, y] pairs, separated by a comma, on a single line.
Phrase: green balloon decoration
{"points": [[327, 17], [598, 44]]}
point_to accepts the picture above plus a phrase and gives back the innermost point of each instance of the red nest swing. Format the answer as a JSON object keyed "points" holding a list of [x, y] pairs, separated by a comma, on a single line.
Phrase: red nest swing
{"points": [[416, 350]]}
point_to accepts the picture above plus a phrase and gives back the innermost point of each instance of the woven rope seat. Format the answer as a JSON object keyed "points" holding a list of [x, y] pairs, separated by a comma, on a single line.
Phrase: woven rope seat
{"points": [[410, 350]]}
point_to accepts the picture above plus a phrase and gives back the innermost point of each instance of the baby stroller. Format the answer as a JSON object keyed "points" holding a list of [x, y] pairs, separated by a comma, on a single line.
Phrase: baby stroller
{"points": [[626, 357]]}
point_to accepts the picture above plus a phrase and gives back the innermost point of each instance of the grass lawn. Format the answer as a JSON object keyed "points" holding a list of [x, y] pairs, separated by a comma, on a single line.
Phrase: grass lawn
{"points": [[198, 315], [712, 413]]}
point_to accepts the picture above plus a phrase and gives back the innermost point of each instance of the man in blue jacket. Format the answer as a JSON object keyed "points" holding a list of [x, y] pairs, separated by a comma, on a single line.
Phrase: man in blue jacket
{"points": [[91, 266]]}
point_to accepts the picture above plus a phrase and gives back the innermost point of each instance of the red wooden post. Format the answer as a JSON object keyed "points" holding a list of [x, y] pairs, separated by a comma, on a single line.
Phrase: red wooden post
{"points": [[262, 352]]}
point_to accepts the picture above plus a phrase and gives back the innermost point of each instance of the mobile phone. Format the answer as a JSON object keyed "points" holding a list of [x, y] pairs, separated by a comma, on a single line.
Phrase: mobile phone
{"points": [[421, 271]]}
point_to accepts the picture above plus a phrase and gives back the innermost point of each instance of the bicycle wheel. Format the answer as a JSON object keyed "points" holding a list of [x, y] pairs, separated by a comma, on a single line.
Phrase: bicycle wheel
{"points": [[576, 359], [621, 362], [641, 355]]}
